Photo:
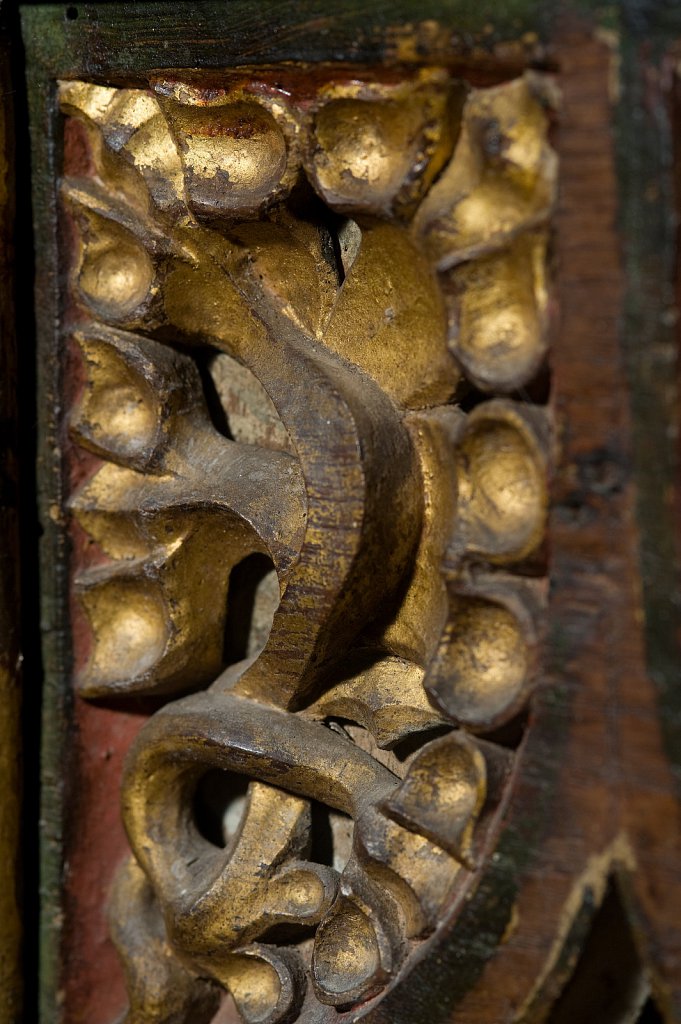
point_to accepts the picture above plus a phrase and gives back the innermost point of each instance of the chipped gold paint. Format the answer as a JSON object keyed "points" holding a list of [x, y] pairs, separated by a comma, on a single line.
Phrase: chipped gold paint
{"points": [[497, 308], [352, 259], [502, 179]]}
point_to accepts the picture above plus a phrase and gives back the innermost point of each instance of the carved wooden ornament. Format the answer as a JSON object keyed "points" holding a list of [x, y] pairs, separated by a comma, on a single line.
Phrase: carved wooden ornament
{"points": [[308, 510]]}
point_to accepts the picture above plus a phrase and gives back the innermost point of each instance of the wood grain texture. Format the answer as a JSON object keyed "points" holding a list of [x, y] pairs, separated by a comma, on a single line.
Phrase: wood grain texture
{"points": [[118, 40], [10, 626], [596, 796]]}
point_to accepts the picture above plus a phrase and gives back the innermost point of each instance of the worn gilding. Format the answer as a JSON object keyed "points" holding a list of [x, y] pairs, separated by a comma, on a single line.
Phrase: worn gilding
{"points": [[337, 270]]}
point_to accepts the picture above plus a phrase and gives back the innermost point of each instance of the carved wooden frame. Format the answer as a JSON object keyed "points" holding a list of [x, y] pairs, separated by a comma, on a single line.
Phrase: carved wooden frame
{"points": [[532, 875]]}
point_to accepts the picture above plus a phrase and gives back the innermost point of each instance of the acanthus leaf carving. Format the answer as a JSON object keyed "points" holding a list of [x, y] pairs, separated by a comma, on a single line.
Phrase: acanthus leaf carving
{"points": [[337, 268]]}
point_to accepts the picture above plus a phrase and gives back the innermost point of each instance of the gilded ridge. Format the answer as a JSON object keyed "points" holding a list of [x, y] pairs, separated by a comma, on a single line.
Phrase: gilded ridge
{"points": [[315, 510]]}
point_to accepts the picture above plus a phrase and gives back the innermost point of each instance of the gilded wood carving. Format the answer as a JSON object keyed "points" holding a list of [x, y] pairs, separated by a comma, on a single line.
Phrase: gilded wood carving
{"points": [[303, 309]]}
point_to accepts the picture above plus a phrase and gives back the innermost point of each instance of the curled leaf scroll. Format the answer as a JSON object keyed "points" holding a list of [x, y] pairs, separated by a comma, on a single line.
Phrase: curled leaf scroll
{"points": [[289, 308]]}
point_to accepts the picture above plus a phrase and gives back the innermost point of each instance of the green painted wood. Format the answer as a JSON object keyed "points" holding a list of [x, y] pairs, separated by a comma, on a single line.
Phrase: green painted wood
{"points": [[121, 39]]}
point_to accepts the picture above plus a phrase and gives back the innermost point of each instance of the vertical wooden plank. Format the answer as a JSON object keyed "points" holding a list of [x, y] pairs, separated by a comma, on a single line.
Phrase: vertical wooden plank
{"points": [[10, 652]]}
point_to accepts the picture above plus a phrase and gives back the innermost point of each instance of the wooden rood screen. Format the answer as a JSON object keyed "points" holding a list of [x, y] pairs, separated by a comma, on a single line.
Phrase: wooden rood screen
{"points": [[355, 376]]}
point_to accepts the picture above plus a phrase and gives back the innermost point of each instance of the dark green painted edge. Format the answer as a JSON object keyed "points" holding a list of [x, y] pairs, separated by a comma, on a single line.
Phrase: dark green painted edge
{"points": [[649, 226], [56, 696], [116, 39]]}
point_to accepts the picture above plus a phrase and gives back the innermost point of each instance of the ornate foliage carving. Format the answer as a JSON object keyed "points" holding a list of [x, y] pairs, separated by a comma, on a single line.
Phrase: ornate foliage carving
{"points": [[290, 298]]}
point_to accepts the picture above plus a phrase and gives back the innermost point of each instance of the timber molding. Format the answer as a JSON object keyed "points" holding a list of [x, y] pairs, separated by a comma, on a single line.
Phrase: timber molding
{"points": [[341, 594], [348, 254]]}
